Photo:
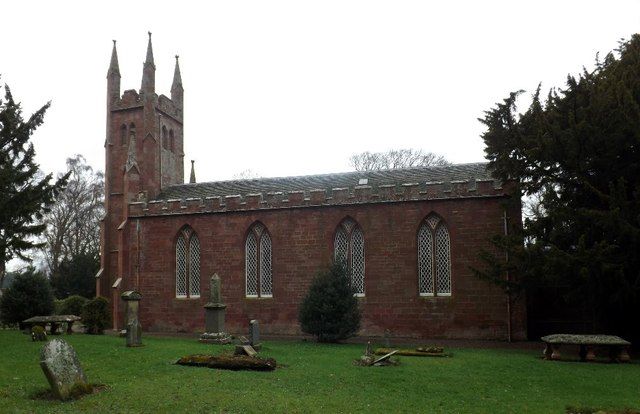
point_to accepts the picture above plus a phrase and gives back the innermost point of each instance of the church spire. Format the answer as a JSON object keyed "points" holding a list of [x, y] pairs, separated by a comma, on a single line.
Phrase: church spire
{"points": [[149, 71], [113, 77], [114, 68], [192, 178], [177, 91]]}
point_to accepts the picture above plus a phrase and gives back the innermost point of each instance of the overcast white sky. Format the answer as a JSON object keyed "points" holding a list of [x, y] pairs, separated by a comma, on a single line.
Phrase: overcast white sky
{"points": [[296, 87]]}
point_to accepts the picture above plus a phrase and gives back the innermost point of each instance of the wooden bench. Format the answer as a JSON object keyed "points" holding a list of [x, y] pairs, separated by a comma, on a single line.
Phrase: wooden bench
{"points": [[618, 348], [54, 321]]}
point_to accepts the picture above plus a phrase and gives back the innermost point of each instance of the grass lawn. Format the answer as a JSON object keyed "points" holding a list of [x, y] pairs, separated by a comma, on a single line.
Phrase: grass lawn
{"points": [[314, 378]]}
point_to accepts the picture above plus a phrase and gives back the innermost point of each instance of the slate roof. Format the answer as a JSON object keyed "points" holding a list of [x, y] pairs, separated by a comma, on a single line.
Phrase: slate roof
{"points": [[420, 175]]}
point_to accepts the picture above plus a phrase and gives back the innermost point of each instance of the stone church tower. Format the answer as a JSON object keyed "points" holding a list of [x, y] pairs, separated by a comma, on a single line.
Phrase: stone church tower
{"points": [[143, 154]]}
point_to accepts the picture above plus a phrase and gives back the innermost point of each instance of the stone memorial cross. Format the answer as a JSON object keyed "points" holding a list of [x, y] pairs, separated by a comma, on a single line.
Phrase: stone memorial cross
{"points": [[214, 315]]}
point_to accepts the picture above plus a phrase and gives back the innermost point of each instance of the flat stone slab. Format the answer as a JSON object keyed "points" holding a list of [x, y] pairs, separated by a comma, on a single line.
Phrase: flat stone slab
{"points": [[585, 339], [219, 338], [52, 319], [61, 366]]}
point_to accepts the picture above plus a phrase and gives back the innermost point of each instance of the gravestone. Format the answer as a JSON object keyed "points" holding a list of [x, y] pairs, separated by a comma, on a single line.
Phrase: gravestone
{"points": [[384, 358], [132, 323], [254, 334], [214, 315], [60, 365], [245, 350]]}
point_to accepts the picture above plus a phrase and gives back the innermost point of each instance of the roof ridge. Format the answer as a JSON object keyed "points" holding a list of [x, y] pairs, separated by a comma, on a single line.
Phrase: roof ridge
{"points": [[288, 177]]}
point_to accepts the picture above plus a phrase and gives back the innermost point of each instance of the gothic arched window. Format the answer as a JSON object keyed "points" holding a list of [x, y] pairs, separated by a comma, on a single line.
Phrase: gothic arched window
{"points": [[123, 135], [258, 274], [187, 264], [165, 138], [434, 258], [171, 143], [349, 248]]}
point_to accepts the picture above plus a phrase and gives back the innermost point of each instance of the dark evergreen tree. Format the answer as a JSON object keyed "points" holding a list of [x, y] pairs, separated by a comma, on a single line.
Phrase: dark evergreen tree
{"points": [[24, 193], [577, 154], [75, 276], [330, 311], [29, 295]]}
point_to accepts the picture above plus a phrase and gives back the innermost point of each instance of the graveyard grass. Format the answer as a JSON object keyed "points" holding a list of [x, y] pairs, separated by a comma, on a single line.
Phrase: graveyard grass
{"points": [[313, 378]]}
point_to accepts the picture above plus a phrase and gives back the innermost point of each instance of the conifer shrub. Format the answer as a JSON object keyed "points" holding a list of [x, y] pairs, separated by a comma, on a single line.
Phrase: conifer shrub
{"points": [[29, 295], [96, 315], [72, 305], [330, 310]]}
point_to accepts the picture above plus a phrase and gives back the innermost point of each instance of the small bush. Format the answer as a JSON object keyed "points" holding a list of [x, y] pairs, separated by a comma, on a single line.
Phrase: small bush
{"points": [[29, 295], [96, 315], [72, 305], [330, 311], [38, 333]]}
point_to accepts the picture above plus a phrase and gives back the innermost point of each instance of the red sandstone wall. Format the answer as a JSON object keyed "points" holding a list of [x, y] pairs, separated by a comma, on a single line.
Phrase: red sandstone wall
{"points": [[303, 243]]}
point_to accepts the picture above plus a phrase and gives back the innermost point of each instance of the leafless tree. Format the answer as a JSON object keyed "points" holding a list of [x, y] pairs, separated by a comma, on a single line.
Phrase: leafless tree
{"points": [[395, 159], [246, 175], [73, 224]]}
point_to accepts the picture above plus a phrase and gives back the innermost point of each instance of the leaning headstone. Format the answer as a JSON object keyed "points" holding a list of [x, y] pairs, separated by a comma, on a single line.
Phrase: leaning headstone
{"points": [[134, 329], [254, 334], [60, 365], [214, 315], [245, 350], [384, 358]]}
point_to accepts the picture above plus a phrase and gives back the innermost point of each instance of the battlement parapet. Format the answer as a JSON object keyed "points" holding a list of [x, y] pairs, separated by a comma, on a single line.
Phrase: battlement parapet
{"points": [[362, 194]]}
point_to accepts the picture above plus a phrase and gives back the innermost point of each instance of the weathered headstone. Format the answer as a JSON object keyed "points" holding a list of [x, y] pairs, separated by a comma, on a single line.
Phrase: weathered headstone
{"points": [[387, 338], [254, 334], [132, 323], [245, 350], [214, 315], [60, 365]]}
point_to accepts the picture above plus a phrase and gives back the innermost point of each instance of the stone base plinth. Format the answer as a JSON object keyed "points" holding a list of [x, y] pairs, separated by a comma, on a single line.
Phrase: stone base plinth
{"points": [[219, 338]]}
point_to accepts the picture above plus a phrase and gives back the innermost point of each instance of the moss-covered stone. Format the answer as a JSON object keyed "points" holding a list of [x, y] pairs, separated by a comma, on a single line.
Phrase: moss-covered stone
{"points": [[231, 362], [61, 366]]}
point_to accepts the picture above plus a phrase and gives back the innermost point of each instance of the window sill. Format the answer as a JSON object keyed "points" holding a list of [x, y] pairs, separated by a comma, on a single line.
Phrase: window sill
{"points": [[258, 297], [435, 297]]}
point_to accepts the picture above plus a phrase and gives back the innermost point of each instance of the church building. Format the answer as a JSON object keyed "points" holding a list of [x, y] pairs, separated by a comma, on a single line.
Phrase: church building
{"points": [[409, 236]]}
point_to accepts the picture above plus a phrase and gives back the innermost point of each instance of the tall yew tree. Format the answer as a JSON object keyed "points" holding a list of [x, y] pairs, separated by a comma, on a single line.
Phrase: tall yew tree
{"points": [[577, 152], [25, 195]]}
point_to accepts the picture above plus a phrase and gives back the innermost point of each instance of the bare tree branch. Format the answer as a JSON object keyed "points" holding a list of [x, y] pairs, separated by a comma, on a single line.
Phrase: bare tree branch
{"points": [[395, 159]]}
